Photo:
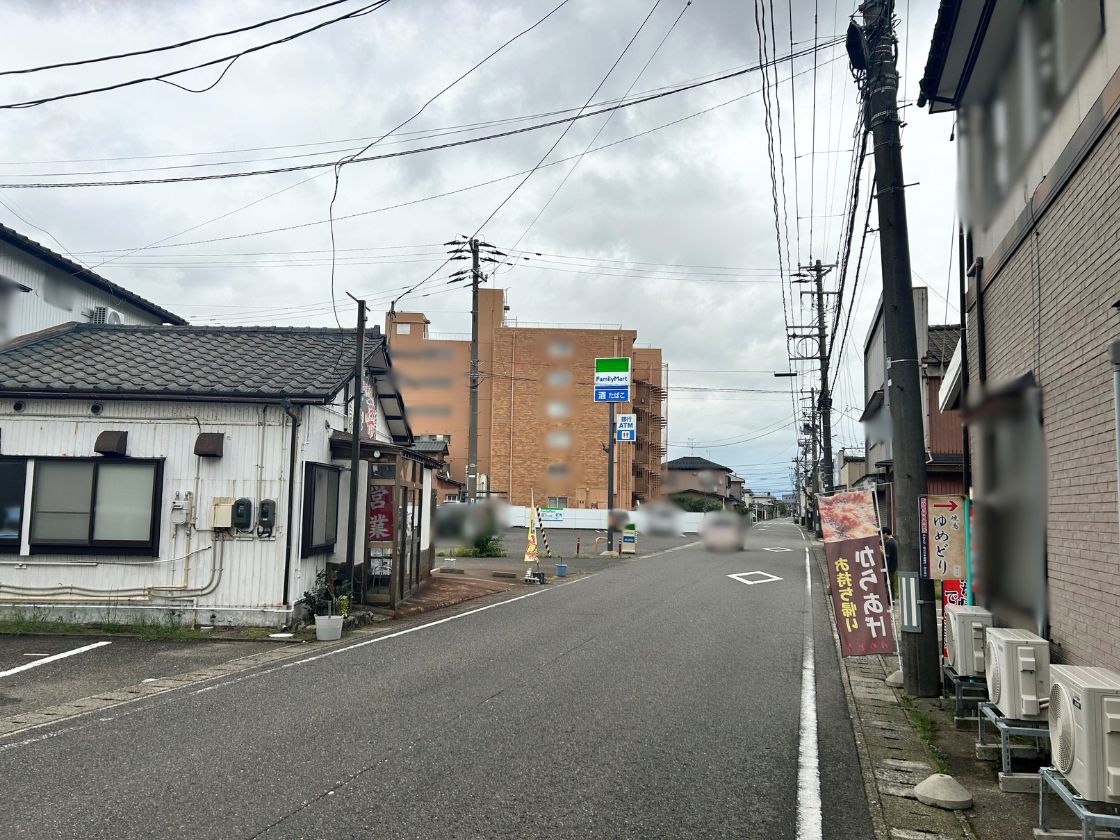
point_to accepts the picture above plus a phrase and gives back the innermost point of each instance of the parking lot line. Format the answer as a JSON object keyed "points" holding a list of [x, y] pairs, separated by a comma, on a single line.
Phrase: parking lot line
{"points": [[53, 658]]}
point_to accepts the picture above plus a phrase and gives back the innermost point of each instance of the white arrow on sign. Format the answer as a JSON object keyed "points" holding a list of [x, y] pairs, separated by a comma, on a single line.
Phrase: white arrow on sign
{"points": [[777, 549], [759, 577]]}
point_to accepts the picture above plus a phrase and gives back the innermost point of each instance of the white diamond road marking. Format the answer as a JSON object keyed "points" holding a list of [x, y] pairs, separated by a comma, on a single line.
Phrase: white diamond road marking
{"points": [[777, 549], [766, 577]]}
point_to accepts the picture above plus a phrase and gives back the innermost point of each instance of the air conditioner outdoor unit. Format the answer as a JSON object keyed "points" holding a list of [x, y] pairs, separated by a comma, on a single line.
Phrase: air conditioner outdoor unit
{"points": [[1017, 667], [103, 315], [964, 638], [1084, 717]]}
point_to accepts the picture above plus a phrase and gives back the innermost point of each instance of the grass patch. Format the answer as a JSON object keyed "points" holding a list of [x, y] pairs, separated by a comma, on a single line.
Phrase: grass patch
{"points": [[22, 626], [488, 547], [926, 727]]}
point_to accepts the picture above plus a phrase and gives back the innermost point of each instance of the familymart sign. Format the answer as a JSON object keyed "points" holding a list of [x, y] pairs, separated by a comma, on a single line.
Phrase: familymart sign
{"points": [[612, 380]]}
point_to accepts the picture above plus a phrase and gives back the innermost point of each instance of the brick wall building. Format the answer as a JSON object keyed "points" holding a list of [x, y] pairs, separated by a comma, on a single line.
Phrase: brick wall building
{"points": [[1042, 216], [541, 435]]}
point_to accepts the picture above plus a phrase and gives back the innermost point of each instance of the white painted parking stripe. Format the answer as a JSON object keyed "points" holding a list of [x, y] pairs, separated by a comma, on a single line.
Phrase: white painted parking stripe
{"points": [[53, 658]]}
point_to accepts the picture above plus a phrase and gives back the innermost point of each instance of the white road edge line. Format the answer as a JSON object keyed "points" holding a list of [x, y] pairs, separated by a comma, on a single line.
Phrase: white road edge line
{"points": [[53, 658], [809, 816], [425, 626]]}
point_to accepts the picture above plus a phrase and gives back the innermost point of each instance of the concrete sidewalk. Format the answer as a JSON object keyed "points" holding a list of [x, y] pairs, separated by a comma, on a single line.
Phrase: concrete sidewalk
{"points": [[903, 740]]}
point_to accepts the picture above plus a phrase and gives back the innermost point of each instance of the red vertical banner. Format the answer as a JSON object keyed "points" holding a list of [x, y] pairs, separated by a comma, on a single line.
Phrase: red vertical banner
{"points": [[381, 513], [853, 550]]}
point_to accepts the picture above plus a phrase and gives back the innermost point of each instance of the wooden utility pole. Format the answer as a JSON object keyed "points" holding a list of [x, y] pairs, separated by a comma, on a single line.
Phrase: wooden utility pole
{"points": [[919, 654]]}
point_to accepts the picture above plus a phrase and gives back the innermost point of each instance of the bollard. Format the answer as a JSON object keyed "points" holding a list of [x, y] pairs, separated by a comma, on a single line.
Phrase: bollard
{"points": [[577, 545]]}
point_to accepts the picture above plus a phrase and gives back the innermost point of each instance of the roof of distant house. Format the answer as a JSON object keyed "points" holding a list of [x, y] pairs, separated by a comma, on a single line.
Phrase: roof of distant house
{"points": [[943, 340], [301, 364], [693, 462], [431, 447], [42, 252]]}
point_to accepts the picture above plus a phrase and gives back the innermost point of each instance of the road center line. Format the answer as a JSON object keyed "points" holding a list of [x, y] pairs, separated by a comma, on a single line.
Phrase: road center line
{"points": [[53, 658], [809, 820]]}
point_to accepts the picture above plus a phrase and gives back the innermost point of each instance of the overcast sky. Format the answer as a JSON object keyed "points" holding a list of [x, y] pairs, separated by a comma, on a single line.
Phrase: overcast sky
{"points": [[671, 233]]}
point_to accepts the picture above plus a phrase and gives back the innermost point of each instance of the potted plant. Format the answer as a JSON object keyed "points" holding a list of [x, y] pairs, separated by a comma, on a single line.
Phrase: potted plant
{"points": [[329, 603]]}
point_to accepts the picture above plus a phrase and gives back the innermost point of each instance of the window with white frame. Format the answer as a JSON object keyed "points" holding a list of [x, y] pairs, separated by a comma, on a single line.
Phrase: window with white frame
{"points": [[95, 505], [557, 502], [320, 509]]}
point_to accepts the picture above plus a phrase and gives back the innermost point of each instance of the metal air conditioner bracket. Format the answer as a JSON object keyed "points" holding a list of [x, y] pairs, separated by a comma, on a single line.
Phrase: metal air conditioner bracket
{"points": [[1092, 815]]}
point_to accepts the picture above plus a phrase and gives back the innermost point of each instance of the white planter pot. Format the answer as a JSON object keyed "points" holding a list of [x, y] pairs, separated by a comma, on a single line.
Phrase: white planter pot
{"points": [[328, 628]]}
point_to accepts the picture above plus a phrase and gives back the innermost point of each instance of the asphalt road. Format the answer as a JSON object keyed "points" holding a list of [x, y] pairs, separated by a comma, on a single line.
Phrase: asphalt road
{"points": [[658, 698]]}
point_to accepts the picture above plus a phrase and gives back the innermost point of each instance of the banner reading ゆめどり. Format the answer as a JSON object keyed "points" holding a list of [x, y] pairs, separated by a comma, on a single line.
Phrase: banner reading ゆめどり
{"points": [[853, 550]]}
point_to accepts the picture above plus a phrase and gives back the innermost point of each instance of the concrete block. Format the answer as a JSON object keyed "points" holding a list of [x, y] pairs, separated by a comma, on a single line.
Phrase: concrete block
{"points": [[943, 791], [1057, 834], [991, 752], [511, 575], [894, 680], [451, 571], [966, 723], [1018, 782]]}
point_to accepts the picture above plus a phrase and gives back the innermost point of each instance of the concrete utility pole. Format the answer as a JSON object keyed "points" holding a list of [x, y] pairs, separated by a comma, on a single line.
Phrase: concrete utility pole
{"points": [[824, 404], [472, 427], [919, 654], [356, 437]]}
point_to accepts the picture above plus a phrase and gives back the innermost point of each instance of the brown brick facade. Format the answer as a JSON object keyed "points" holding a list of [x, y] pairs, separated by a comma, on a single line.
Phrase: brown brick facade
{"points": [[1049, 310], [541, 435]]}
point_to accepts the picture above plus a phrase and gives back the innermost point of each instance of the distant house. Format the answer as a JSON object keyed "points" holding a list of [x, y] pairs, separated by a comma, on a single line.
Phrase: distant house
{"points": [[941, 429], [438, 447], [40, 288], [699, 479], [850, 467], [202, 473]]}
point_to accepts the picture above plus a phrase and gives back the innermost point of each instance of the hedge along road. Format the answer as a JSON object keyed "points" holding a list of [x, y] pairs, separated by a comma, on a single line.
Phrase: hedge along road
{"points": [[659, 698]]}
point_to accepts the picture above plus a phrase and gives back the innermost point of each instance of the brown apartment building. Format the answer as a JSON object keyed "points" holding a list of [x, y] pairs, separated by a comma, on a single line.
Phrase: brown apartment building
{"points": [[541, 435]]}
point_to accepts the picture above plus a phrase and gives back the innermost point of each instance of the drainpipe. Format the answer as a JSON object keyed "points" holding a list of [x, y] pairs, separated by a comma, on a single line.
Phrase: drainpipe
{"points": [[291, 502], [977, 271], [1114, 354]]}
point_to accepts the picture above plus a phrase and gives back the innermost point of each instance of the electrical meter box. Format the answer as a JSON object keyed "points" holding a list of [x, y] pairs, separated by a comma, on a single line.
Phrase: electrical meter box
{"points": [[223, 513], [242, 517], [266, 516]]}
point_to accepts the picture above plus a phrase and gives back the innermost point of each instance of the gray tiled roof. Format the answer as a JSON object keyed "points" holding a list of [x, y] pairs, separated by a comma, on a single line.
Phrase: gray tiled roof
{"points": [[694, 462], [42, 252], [302, 364], [430, 447], [943, 341]]}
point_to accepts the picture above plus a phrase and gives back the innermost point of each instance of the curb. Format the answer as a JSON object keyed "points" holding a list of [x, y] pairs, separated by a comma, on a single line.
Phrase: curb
{"points": [[867, 769], [892, 778]]}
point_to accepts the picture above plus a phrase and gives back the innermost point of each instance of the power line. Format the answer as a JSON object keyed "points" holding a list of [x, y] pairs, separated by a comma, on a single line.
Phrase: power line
{"points": [[175, 46], [602, 126], [358, 159], [162, 77]]}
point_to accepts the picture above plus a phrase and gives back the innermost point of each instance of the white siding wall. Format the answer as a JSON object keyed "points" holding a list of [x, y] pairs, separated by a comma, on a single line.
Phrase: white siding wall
{"points": [[31, 311], [237, 580]]}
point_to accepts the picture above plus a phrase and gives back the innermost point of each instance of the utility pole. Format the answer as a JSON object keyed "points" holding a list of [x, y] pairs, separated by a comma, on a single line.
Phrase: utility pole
{"points": [[919, 654], [356, 438], [824, 404], [472, 427], [477, 252]]}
